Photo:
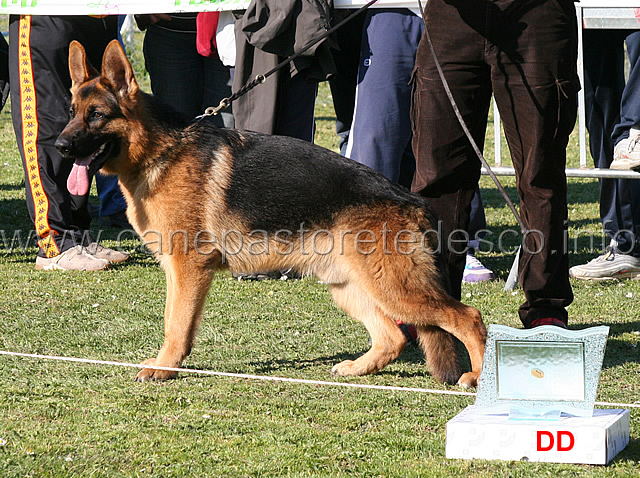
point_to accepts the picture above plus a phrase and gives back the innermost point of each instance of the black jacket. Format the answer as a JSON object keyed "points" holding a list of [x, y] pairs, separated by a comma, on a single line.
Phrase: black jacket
{"points": [[268, 32]]}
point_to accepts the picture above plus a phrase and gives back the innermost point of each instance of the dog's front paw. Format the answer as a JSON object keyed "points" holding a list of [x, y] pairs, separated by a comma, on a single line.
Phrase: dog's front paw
{"points": [[469, 380], [150, 374], [348, 368]]}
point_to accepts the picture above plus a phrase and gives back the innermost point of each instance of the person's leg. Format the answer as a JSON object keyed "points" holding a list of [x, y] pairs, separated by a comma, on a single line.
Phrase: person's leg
{"points": [[474, 270], [175, 69], [603, 86], [40, 72], [626, 135], [629, 190], [216, 85], [381, 126], [535, 85], [35, 42], [630, 103], [447, 170], [112, 203], [606, 96], [113, 207], [343, 83], [39, 64], [606, 99], [296, 107]]}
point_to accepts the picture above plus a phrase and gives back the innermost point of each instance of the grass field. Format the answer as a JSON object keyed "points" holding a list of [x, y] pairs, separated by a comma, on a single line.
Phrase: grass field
{"points": [[59, 419]]}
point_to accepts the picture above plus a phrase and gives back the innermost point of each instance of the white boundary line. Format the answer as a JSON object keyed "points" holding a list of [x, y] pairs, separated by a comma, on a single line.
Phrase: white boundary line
{"points": [[268, 377]]}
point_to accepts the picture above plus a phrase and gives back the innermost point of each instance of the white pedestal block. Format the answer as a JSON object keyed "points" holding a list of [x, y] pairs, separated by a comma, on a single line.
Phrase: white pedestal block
{"points": [[586, 440]]}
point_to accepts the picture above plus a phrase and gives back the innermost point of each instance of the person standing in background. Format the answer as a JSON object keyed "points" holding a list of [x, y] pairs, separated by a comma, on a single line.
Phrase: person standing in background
{"points": [[40, 98]]}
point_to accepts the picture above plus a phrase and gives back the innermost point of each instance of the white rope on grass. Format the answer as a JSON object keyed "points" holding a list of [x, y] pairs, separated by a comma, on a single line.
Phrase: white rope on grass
{"points": [[267, 377]]}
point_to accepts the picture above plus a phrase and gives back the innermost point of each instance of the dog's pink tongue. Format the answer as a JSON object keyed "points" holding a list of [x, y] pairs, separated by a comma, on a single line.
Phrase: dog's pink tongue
{"points": [[78, 181]]}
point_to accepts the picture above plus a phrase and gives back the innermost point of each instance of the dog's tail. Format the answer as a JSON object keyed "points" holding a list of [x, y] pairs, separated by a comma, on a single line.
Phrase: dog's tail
{"points": [[440, 352]]}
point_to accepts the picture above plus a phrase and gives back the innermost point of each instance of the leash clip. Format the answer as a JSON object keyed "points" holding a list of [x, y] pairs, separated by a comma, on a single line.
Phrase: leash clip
{"points": [[211, 111]]}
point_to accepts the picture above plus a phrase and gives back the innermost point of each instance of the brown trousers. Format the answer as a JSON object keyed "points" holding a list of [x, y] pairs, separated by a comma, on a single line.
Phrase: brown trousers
{"points": [[525, 53]]}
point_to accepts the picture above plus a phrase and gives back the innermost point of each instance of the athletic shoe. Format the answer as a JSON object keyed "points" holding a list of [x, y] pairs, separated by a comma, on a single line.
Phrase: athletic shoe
{"points": [[74, 259], [111, 255], [475, 271], [610, 265], [548, 321], [626, 154]]}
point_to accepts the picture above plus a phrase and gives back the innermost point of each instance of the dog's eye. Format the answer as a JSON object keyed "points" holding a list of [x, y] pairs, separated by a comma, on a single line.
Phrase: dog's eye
{"points": [[72, 112], [96, 115]]}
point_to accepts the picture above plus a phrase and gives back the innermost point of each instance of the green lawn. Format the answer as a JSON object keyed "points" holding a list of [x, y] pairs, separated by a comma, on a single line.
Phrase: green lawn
{"points": [[62, 419]]}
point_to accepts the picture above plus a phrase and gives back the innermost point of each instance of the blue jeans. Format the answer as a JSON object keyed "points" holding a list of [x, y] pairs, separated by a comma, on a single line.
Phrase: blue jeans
{"points": [[111, 198], [184, 79], [611, 109]]}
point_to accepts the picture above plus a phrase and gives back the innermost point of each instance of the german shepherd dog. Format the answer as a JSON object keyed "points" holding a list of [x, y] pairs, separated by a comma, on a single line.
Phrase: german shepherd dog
{"points": [[218, 197]]}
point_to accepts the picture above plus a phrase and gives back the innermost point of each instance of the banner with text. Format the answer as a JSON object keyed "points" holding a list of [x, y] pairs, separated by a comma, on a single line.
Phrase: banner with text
{"points": [[114, 7]]}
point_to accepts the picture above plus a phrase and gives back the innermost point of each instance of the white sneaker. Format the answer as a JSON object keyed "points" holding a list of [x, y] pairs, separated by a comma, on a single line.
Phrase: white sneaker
{"points": [[74, 259], [626, 154], [609, 265], [111, 255]]}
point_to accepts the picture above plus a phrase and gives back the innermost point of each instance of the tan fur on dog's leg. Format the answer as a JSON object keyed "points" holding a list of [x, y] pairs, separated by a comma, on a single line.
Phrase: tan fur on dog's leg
{"points": [[440, 352], [466, 324], [186, 294], [387, 340]]}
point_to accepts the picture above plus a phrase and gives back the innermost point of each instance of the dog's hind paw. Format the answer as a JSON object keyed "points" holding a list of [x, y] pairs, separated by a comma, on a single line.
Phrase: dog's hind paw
{"points": [[151, 374], [469, 380]]}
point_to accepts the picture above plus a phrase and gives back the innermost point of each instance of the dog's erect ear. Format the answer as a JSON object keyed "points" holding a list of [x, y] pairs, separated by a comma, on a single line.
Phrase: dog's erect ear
{"points": [[117, 71], [79, 69]]}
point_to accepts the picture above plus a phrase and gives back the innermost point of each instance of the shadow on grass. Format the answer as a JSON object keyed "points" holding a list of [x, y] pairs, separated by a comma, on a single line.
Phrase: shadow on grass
{"points": [[631, 452], [16, 258], [11, 187], [412, 354], [619, 351], [325, 118], [14, 215]]}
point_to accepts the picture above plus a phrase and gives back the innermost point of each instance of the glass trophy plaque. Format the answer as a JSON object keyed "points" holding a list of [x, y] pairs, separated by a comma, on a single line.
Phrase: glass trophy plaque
{"points": [[540, 373]]}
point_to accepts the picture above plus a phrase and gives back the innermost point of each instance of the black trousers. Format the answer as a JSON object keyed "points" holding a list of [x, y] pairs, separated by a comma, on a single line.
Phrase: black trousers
{"points": [[40, 99], [525, 53]]}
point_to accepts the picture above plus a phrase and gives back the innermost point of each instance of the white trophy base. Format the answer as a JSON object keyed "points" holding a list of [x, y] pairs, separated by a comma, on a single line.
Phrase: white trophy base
{"points": [[585, 440]]}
